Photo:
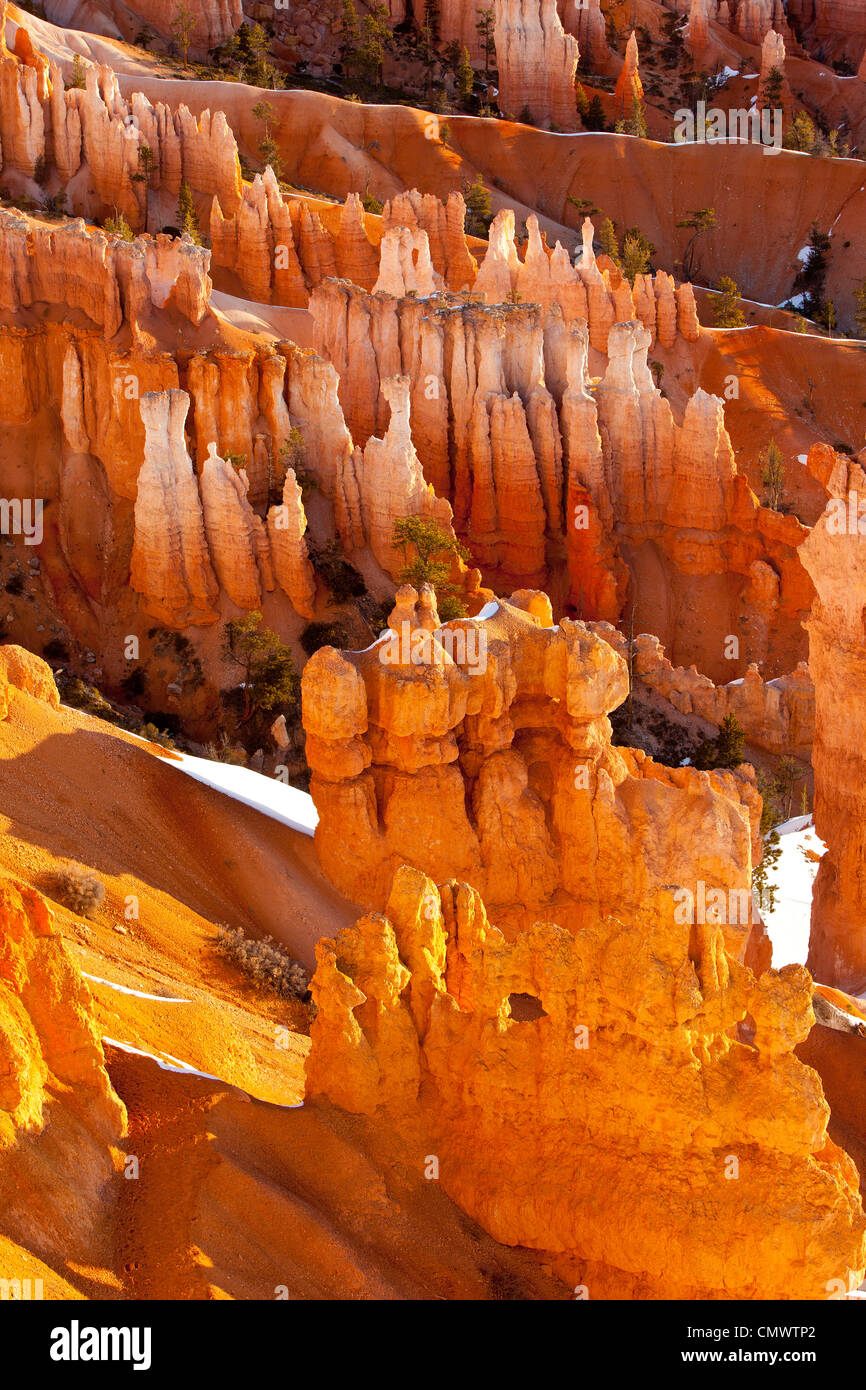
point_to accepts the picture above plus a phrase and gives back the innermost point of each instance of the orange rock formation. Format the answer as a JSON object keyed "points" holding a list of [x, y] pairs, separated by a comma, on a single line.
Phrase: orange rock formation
{"points": [[536, 61], [482, 750], [619, 1078], [629, 88], [834, 555]]}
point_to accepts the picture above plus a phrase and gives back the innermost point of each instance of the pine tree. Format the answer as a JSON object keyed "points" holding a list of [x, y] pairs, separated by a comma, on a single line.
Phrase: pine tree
{"points": [[726, 309], [860, 310], [698, 221], [485, 25], [826, 316], [636, 254], [636, 123], [268, 667], [607, 238], [478, 210], [182, 26], [465, 76], [268, 148], [772, 466], [594, 118], [435, 549], [771, 95], [726, 750], [813, 273], [78, 77], [187, 219]]}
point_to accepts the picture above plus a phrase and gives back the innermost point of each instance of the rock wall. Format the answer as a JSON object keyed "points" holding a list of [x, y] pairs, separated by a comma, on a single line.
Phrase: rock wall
{"points": [[623, 1095], [481, 750], [90, 140], [559, 480], [114, 282], [778, 715], [536, 61], [197, 535], [584, 19], [755, 19], [834, 554], [215, 21]]}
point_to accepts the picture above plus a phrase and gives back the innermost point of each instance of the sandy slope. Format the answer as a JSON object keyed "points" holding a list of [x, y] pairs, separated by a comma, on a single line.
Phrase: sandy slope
{"points": [[238, 1194]]}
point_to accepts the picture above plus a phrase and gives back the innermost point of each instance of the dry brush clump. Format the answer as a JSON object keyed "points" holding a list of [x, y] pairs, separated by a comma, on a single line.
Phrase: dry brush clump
{"points": [[265, 962], [77, 888]]}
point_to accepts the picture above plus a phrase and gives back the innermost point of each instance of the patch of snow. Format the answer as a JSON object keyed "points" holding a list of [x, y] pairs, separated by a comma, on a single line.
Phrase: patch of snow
{"points": [[183, 1069], [488, 611], [803, 254], [802, 458], [273, 798], [793, 876], [136, 993]]}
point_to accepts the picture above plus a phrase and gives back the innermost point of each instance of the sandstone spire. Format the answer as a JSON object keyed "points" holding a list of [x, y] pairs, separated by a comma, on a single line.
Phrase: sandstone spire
{"points": [[629, 88], [698, 26], [236, 536], [537, 62], [584, 19], [171, 566], [292, 566]]}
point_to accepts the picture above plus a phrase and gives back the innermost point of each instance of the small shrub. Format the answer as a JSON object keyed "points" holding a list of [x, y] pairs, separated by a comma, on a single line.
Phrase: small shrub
{"points": [[316, 635], [343, 580], [265, 962], [78, 889]]}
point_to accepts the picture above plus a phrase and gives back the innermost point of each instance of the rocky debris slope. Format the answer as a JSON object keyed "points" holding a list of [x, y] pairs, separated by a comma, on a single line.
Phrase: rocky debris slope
{"points": [[612, 1061], [60, 1120]]}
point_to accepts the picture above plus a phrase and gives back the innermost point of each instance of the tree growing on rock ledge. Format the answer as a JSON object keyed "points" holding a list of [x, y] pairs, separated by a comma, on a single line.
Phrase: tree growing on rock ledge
{"points": [[431, 564], [772, 473], [724, 751], [698, 221], [270, 679], [726, 309], [187, 218]]}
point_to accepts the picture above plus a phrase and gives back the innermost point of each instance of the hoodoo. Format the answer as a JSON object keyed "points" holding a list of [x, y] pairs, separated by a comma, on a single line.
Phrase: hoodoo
{"points": [[432, 656]]}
